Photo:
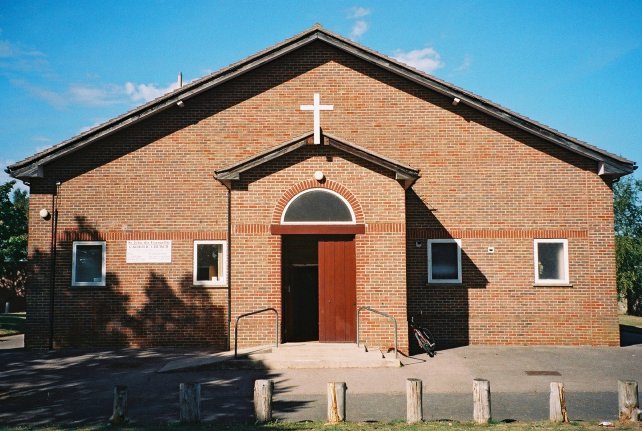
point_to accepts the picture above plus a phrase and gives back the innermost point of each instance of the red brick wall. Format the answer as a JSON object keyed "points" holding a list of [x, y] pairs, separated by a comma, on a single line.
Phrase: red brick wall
{"points": [[482, 181]]}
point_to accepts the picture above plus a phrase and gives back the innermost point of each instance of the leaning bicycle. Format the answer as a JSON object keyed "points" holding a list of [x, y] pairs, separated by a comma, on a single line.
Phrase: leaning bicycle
{"points": [[424, 338]]}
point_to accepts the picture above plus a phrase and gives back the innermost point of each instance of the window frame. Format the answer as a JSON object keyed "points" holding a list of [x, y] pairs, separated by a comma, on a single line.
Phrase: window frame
{"points": [[429, 244], [103, 281], [316, 189], [209, 283], [550, 282]]}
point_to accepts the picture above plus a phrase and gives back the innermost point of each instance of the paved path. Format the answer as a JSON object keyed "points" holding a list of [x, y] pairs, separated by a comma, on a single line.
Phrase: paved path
{"points": [[12, 342], [67, 387]]}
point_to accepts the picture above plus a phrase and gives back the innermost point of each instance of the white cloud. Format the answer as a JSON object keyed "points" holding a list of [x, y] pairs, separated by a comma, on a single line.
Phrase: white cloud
{"points": [[16, 58], [358, 12], [426, 59], [359, 26], [358, 29], [95, 96], [41, 138], [53, 98], [465, 65], [147, 92], [9, 49], [87, 95]]}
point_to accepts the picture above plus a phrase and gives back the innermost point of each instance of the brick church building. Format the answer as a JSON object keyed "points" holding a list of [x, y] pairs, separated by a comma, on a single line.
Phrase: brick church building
{"points": [[317, 177]]}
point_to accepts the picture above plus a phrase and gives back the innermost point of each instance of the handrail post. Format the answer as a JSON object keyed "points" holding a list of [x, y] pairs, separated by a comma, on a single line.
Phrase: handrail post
{"points": [[236, 336], [358, 309], [236, 327], [381, 313]]}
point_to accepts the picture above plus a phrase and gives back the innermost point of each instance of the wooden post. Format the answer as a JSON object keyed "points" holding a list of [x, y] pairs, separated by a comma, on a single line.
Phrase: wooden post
{"points": [[190, 402], [557, 403], [263, 400], [119, 414], [414, 401], [481, 401], [337, 402], [627, 397]]}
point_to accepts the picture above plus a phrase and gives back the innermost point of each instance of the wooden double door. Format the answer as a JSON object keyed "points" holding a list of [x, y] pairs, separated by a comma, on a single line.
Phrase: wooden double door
{"points": [[319, 288]]}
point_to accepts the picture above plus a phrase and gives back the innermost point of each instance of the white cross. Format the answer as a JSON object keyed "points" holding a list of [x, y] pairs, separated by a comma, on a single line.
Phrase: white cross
{"points": [[317, 108]]}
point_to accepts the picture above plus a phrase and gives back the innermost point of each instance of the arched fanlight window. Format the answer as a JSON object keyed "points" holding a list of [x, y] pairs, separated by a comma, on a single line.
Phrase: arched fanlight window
{"points": [[318, 206]]}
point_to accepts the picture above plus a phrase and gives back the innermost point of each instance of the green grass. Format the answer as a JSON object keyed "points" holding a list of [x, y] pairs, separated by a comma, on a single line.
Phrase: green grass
{"points": [[628, 320], [12, 324], [355, 426]]}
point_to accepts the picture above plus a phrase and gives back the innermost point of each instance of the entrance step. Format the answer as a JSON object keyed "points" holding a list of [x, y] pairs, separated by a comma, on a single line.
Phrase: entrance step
{"points": [[290, 356]]}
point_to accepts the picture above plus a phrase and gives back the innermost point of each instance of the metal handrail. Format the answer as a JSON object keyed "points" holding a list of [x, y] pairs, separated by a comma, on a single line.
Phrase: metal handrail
{"points": [[394, 321], [236, 326]]}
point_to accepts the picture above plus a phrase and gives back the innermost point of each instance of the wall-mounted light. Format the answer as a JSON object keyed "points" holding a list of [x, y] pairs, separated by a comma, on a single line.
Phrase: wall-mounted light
{"points": [[418, 243], [180, 104], [456, 101], [319, 176], [44, 213]]}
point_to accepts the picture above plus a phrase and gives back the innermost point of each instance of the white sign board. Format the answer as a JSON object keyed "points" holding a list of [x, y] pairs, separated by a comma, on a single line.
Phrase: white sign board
{"points": [[149, 251]]}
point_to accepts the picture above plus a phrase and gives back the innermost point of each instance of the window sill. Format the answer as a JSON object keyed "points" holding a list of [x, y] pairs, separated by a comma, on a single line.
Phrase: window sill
{"points": [[552, 285], [433, 284], [209, 286], [89, 287]]}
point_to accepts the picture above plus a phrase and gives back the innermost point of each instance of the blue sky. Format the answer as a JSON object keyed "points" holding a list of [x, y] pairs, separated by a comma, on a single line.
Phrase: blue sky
{"points": [[573, 65]]}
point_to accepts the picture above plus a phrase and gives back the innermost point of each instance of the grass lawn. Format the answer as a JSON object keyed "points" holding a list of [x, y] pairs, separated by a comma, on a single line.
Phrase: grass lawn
{"points": [[357, 426], [627, 320], [12, 324]]}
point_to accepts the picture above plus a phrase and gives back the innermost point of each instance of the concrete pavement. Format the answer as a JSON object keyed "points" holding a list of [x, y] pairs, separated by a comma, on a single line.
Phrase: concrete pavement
{"points": [[12, 342], [75, 387]]}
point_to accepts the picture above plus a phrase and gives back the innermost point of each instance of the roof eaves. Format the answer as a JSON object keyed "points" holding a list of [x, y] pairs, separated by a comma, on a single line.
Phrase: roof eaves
{"points": [[166, 101], [367, 54], [477, 102], [373, 157], [233, 171]]}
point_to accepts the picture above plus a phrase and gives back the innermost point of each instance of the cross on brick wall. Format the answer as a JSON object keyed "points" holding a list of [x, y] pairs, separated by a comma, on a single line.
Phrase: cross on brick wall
{"points": [[317, 108]]}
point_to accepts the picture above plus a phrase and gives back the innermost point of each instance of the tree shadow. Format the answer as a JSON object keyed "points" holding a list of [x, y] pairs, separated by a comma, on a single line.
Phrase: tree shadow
{"points": [[442, 308], [73, 387], [93, 327]]}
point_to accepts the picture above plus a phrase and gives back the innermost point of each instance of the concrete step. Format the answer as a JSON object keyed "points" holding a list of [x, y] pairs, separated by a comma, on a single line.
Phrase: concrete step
{"points": [[290, 356]]}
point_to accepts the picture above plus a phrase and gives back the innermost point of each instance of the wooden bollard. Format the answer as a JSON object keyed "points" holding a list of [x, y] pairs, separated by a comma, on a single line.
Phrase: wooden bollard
{"points": [[481, 401], [119, 413], [189, 401], [337, 402], [263, 400], [628, 402], [414, 401], [557, 403]]}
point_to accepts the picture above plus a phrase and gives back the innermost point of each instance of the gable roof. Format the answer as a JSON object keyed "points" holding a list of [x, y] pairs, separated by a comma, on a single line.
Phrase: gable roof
{"points": [[609, 164], [403, 173]]}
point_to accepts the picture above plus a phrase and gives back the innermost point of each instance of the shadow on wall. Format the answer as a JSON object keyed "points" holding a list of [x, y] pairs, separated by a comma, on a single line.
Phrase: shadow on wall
{"points": [[442, 308], [156, 312], [171, 120]]}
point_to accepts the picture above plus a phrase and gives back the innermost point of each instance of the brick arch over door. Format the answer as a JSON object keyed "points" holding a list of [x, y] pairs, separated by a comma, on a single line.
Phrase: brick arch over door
{"points": [[313, 184]]}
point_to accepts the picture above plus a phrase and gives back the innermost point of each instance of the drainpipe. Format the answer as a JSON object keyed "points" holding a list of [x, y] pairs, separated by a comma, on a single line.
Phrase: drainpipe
{"points": [[229, 267], [54, 241]]}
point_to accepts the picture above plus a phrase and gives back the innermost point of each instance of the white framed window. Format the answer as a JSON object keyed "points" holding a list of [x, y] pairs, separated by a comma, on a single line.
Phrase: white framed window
{"points": [[89, 263], [551, 261], [210, 263], [444, 261]]}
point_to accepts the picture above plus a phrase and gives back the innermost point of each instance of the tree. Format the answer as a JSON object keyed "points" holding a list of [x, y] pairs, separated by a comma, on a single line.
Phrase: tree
{"points": [[13, 243], [628, 241]]}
